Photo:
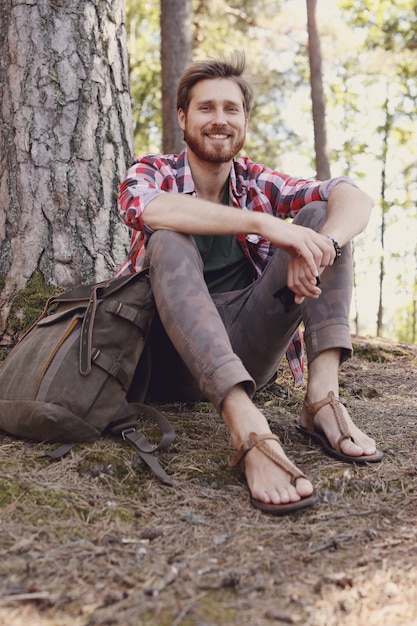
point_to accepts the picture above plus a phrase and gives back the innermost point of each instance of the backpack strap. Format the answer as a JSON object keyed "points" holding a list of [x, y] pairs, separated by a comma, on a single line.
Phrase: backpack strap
{"points": [[87, 334], [58, 453], [126, 425]]}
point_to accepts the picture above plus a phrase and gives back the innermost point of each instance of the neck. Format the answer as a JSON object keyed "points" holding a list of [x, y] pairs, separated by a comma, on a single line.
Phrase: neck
{"points": [[209, 178]]}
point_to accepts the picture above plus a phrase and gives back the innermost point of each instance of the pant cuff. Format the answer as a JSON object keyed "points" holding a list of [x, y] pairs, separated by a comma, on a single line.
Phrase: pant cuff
{"points": [[330, 335], [216, 385]]}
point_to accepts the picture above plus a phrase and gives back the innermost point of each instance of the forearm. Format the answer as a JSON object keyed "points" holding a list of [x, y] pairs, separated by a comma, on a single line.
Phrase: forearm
{"points": [[349, 210], [194, 216]]}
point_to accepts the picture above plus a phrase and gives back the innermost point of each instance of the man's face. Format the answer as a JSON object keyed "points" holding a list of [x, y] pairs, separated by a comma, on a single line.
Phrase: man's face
{"points": [[215, 124]]}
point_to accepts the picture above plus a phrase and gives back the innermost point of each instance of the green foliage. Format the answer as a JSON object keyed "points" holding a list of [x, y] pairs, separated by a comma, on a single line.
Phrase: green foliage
{"points": [[145, 73], [390, 25], [405, 322]]}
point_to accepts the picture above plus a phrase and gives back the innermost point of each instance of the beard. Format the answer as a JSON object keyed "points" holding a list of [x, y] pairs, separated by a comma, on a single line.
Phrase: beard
{"points": [[213, 153]]}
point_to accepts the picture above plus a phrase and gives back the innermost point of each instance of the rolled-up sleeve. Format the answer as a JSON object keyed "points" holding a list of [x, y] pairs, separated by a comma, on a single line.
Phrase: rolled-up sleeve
{"points": [[138, 189], [327, 185], [295, 193], [288, 194]]}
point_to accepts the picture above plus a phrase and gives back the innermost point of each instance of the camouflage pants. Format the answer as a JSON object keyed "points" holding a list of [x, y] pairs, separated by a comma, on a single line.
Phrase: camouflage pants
{"points": [[203, 345]]}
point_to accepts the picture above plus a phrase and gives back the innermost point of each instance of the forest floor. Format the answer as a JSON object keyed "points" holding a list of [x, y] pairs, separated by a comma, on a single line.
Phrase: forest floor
{"points": [[94, 539]]}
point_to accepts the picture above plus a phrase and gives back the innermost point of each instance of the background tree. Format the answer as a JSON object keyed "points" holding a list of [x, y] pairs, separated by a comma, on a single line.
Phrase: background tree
{"points": [[386, 130], [176, 54], [65, 140], [406, 316], [317, 93], [144, 47]]}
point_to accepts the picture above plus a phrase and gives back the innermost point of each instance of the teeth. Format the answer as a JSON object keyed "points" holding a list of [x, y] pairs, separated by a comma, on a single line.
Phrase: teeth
{"points": [[218, 136]]}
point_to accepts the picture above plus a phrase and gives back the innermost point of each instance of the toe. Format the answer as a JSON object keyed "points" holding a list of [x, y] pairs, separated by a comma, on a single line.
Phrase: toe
{"points": [[353, 448], [283, 496], [350, 448], [304, 487], [289, 493]]}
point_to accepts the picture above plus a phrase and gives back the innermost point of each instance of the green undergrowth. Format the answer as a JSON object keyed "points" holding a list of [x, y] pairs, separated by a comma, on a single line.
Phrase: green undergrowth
{"points": [[380, 350], [214, 607], [39, 506]]}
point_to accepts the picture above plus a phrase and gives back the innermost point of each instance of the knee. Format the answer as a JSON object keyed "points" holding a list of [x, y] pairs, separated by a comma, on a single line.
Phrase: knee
{"points": [[313, 215], [170, 245], [167, 240], [164, 237]]}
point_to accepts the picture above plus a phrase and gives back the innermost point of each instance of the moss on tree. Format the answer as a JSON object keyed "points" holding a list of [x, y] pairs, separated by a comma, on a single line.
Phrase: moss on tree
{"points": [[28, 303]]}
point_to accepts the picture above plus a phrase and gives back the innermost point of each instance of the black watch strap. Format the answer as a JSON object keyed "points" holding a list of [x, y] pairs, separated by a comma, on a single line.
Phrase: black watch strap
{"points": [[337, 248]]}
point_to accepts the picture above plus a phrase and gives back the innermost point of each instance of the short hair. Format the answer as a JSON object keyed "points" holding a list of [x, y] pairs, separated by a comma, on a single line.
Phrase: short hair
{"points": [[232, 68]]}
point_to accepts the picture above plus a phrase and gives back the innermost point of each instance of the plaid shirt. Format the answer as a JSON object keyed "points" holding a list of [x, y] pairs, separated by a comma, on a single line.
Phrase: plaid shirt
{"points": [[253, 187]]}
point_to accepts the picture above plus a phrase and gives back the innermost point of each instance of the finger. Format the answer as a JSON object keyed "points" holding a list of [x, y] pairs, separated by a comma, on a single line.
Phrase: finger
{"points": [[321, 247], [299, 299], [302, 273], [300, 281], [310, 258]]}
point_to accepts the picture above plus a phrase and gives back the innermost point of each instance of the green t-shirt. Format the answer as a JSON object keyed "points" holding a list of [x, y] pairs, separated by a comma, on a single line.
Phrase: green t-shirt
{"points": [[226, 268]]}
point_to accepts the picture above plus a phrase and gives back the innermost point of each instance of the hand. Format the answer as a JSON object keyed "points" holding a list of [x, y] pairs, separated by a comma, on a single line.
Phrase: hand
{"points": [[300, 281], [312, 253]]}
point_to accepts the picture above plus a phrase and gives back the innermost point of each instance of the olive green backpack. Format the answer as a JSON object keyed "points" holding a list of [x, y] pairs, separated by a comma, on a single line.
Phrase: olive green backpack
{"points": [[83, 369]]}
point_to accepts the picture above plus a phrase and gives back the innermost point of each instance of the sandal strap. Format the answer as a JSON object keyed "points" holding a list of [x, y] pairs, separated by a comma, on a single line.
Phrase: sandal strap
{"points": [[335, 403], [260, 442]]}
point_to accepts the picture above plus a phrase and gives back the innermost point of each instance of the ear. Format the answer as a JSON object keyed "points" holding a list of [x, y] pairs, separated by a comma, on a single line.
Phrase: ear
{"points": [[181, 118]]}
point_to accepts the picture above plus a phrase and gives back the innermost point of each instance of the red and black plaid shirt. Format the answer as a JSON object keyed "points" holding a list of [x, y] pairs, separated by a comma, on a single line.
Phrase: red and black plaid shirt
{"points": [[253, 187]]}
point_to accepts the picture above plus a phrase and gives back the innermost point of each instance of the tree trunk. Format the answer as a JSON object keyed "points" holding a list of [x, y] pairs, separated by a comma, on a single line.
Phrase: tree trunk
{"points": [[384, 210], [414, 302], [355, 291], [176, 53], [317, 93], [65, 142]]}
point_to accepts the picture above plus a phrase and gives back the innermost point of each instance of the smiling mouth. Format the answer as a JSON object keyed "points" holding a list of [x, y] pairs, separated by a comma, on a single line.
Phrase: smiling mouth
{"points": [[218, 136]]}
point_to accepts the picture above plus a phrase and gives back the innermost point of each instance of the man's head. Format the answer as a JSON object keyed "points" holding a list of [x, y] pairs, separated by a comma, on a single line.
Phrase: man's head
{"points": [[232, 69], [214, 102]]}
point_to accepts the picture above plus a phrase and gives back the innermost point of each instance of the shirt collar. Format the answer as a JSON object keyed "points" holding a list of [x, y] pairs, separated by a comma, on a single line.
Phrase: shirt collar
{"points": [[185, 181]]}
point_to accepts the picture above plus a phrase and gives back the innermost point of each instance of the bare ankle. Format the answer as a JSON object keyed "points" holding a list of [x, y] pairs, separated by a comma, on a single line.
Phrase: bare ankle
{"points": [[241, 416]]}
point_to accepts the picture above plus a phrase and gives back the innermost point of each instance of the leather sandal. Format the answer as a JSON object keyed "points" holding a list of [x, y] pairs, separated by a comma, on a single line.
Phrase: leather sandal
{"points": [[309, 411], [260, 442]]}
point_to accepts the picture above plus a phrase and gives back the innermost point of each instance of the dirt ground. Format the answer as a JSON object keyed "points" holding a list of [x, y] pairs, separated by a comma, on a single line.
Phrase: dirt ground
{"points": [[94, 539]]}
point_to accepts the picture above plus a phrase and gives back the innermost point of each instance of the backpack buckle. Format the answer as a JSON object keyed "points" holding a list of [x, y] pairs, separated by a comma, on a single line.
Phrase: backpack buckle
{"points": [[127, 431]]}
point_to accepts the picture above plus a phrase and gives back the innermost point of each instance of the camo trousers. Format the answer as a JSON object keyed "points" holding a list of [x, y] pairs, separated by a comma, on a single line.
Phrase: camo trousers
{"points": [[202, 345]]}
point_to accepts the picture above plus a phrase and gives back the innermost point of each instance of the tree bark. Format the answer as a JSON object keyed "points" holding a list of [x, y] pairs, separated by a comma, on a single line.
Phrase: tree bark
{"points": [[176, 53], [65, 141], [317, 93]]}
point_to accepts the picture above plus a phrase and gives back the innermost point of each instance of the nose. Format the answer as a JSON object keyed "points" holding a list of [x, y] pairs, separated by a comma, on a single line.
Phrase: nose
{"points": [[219, 116]]}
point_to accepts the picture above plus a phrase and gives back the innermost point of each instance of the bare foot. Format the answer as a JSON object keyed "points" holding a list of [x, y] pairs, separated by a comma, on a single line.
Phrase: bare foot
{"points": [[267, 482], [325, 421], [322, 379]]}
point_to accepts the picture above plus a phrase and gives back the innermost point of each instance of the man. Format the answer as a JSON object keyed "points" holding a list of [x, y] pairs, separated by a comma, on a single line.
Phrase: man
{"points": [[232, 282]]}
